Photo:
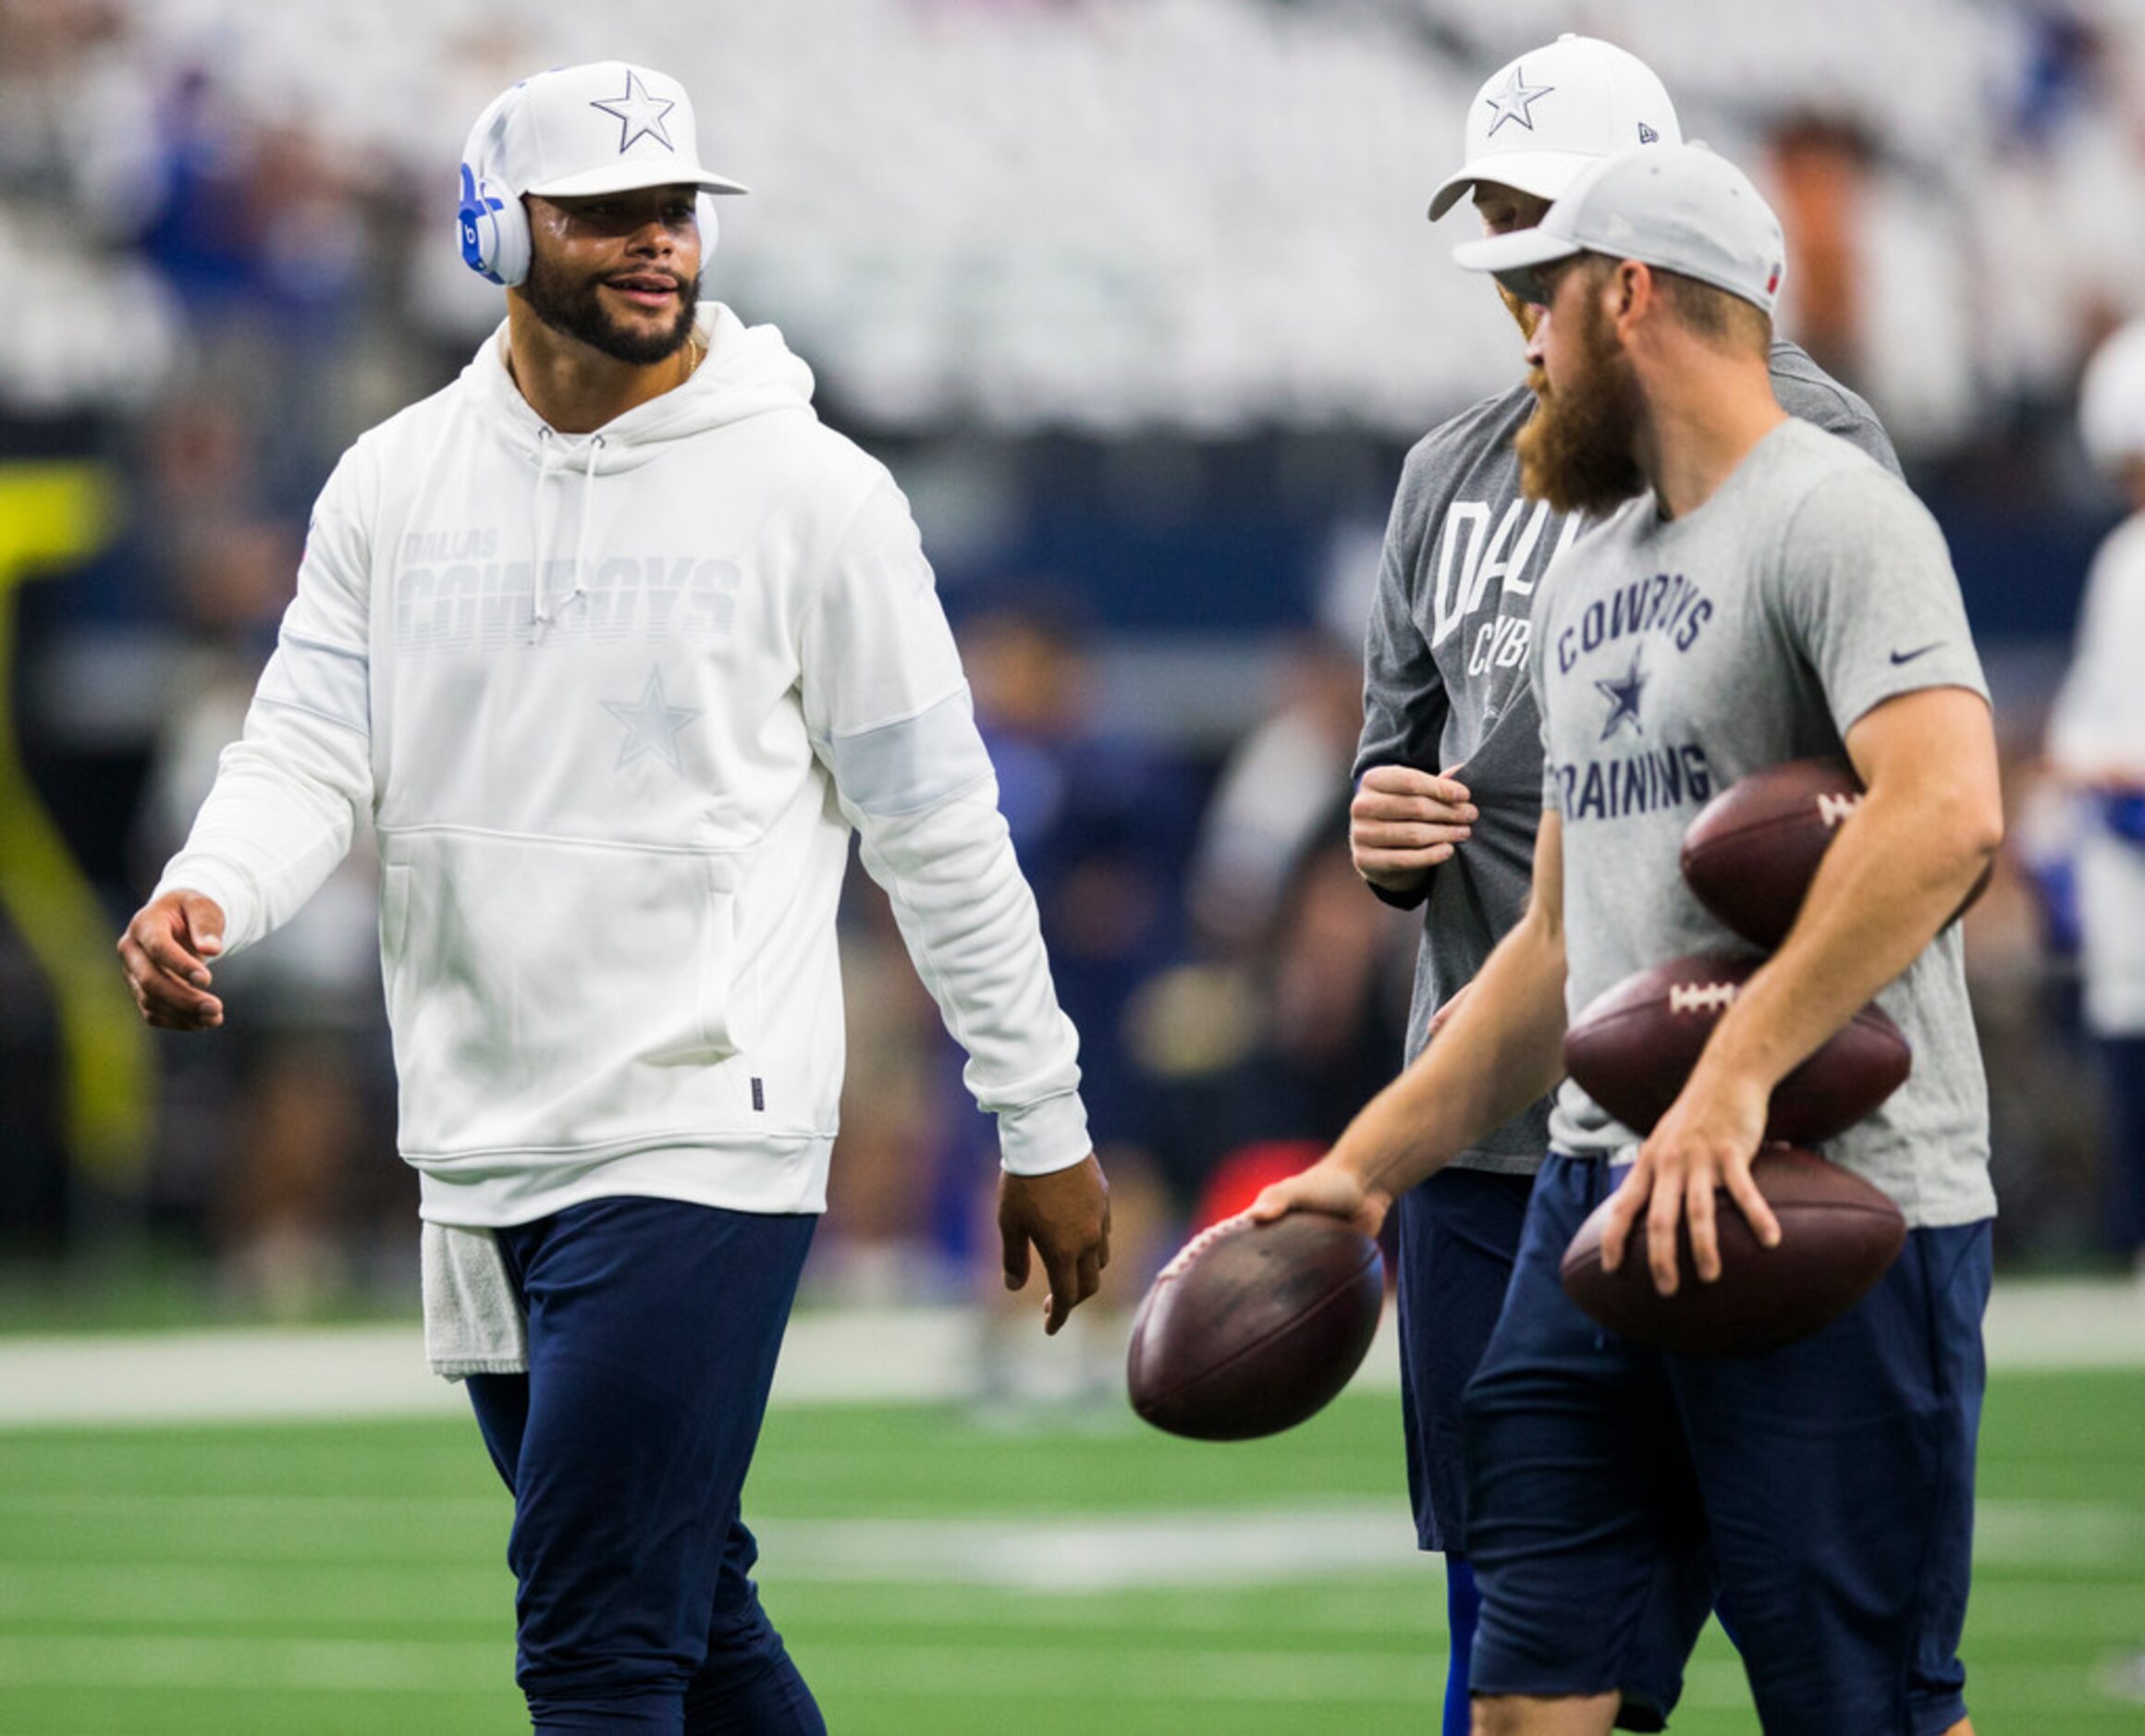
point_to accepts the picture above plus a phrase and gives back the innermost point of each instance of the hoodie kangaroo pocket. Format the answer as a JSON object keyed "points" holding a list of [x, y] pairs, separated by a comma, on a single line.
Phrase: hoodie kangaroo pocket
{"points": [[546, 994]]}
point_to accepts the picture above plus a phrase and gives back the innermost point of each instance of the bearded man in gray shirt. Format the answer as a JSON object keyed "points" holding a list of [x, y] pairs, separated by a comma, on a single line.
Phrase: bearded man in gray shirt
{"points": [[1751, 591], [1445, 686]]}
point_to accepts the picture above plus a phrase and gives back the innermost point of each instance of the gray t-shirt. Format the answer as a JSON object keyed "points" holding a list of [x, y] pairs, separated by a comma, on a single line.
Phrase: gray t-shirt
{"points": [[1445, 676], [1672, 658]]}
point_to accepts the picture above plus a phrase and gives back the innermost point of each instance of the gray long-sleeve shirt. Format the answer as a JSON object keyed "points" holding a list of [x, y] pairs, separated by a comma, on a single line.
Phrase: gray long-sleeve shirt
{"points": [[1445, 676]]}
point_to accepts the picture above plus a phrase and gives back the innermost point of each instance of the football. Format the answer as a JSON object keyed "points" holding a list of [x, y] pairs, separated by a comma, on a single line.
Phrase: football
{"points": [[1838, 1233], [1635, 1045], [1752, 851], [1253, 1327]]}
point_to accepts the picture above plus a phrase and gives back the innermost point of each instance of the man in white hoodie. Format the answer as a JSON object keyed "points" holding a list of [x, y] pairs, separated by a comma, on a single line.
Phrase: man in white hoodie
{"points": [[616, 642]]}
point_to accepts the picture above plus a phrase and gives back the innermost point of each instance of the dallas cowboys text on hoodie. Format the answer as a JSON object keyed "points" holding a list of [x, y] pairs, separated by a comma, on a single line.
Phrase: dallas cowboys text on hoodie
{"points": [[614, 703]]}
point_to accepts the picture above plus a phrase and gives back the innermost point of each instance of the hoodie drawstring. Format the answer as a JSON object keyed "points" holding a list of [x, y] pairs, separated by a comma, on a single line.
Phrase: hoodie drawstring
{"points": [[545, 471]]}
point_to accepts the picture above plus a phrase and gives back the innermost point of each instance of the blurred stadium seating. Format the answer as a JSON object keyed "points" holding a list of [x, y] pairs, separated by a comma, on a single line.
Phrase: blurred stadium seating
{"points": [[1138, 298]]}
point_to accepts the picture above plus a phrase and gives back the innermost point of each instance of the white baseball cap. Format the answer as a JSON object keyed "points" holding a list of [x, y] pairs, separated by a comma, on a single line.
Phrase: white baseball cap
{"points": [[2112, 398], [603, 127], [1682, 208], [1540, 119]]}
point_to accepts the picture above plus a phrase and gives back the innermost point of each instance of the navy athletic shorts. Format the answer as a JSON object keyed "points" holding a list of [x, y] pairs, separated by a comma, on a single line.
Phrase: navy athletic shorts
{"points": [[1822, 1493], [652, 1330], [1459, 1232]]}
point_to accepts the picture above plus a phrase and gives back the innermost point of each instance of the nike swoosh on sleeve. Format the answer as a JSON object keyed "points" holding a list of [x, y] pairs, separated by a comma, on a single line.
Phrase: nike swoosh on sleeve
{"points": [[1908, 657]]}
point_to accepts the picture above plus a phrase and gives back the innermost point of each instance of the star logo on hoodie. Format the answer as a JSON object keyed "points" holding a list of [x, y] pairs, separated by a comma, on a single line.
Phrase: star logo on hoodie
{"points": [[639, 115], [652, 726]]}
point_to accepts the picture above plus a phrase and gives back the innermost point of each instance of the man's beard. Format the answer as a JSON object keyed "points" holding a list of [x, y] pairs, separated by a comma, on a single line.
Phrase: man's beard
{"points": [[1524, 315], [1575, 451], [571, 307]]}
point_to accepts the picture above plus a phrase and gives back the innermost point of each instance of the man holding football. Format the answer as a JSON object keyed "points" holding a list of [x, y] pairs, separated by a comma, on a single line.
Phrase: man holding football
{"points": [[1822, 1493], [1449, 769]]}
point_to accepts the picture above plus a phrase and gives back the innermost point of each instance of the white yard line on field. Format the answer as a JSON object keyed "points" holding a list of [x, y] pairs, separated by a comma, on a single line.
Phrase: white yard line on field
{"points": [[1078, 1555], [916, 1354]]}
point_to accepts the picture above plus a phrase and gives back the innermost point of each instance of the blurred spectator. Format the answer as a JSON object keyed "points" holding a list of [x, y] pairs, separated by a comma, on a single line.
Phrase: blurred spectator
{"points": [[1290, 1041], [2044, 1126], [2096, 740], [1277, 784], [1102, 824], [1822, 169], [87, 327], [1879, 279]]}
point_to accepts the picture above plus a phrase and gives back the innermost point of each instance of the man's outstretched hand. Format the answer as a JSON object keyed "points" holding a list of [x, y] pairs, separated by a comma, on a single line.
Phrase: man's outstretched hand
{"points": [[1328, 1189], [166, 952], [1066, 1215]]}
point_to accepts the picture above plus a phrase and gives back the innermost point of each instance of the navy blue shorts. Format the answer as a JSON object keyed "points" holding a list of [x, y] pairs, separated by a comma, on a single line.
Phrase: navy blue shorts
{"points": [[2124, 1150], [1823, 1495], [1459, 1232], [652, 1330]]}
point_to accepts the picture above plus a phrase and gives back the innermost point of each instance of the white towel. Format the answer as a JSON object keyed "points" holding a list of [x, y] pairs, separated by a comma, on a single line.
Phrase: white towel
{"points": [[473, 1323]]}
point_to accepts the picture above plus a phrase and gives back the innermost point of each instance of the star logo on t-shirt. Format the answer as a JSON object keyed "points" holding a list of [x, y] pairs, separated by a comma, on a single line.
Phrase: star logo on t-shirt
{"points": [[639, 115], [652, 726], [1514, 101], [1623, 697]]}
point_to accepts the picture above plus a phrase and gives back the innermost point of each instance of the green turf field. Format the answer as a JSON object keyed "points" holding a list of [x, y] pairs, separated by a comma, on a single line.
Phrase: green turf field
{"points": [[934, 1575]]}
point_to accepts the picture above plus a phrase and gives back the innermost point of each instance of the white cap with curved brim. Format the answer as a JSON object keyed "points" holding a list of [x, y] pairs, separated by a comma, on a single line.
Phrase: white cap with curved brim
{"points": [[603, 127], [1542, 118], [1683, 209]]}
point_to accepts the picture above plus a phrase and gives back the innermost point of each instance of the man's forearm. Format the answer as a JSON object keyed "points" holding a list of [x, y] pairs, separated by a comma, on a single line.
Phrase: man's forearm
{"points": [[1888, 883], [1502, 1050], [279, 817]]}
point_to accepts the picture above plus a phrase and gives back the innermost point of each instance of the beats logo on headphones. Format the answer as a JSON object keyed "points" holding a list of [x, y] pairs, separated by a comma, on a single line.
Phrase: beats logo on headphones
{"points": [[479, 213], [483, 225]]}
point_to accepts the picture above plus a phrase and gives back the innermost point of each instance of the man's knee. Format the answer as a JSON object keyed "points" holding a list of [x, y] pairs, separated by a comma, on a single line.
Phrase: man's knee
{"points": [[1531, 1714]]}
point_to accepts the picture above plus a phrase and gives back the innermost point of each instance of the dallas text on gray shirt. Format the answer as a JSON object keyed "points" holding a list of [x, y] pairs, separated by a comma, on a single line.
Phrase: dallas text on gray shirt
{"points": [[1674, 656], [1445, 676]]}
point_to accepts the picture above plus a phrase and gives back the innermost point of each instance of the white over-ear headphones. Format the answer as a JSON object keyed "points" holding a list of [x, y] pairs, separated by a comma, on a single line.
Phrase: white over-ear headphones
{"points": [[491, 223], [494, 228]]}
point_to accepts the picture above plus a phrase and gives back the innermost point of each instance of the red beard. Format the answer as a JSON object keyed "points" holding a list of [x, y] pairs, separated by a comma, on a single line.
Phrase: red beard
{"points": [[1575, 451]]}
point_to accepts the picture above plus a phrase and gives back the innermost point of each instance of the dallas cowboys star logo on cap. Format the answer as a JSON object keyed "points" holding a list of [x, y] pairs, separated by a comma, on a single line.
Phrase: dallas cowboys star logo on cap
{"points": [[1515, 102], [639, 115]]}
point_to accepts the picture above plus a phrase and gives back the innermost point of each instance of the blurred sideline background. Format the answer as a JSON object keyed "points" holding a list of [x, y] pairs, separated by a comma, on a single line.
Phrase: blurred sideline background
{"points": [[1139, 303], [1137, 298]]}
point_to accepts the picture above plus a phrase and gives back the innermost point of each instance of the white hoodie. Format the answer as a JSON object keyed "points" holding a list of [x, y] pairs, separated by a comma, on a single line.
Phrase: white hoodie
{"points": [[614, 800]]}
